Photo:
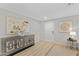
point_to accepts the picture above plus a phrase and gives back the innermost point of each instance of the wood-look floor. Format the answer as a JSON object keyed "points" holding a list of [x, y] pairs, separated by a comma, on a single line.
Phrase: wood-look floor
{"points": [[44, 48], [39, 49]]}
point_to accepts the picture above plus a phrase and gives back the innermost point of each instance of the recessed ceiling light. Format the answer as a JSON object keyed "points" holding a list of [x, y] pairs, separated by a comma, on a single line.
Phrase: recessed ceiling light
{"points": [[45, 17], [69, 4]]}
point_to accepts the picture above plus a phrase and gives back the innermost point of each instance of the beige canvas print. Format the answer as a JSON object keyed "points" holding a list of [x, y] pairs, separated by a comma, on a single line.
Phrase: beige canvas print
{"points": [[65, 26], [14, 25]]}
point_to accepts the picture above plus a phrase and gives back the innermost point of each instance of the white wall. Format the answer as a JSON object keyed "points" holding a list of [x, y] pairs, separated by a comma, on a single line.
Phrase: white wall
{"points": [[35, 28], [53, 25], [34, 24], [48, 30]]}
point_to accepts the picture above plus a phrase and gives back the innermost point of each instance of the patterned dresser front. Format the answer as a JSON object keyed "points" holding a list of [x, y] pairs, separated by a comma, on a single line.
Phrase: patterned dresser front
{"points": [[13, 44]]}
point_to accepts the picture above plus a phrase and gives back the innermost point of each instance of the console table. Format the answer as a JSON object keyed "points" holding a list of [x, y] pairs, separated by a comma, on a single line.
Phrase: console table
{"points": [[12, 44]]}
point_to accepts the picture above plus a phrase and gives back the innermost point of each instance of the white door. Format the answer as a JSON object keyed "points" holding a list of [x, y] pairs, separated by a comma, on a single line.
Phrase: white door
{"points": [[49, 31]]}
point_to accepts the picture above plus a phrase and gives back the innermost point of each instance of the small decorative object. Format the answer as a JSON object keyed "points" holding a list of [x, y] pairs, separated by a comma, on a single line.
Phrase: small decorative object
{"points": [[65, 26]]}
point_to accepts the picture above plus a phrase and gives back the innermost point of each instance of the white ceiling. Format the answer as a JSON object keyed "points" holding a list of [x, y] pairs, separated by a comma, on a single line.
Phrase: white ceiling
{"points": [[43, 11]]}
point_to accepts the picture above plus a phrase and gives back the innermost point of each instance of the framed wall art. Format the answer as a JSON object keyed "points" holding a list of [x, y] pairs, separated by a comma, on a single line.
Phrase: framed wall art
{"points": [[65, 26], [15, 25]]}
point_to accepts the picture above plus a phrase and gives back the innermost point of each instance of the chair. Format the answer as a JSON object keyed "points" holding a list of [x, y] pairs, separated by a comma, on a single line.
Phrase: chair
{"points": [[72, 43]]}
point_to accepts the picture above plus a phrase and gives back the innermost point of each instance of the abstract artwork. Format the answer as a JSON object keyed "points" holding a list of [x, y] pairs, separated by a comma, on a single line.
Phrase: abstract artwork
{"points": [[15, 25], [65, 26]]}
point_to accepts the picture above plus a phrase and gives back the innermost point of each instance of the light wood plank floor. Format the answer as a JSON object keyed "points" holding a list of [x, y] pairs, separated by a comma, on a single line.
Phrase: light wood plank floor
{"points": [[61, 50], [44, 48]]}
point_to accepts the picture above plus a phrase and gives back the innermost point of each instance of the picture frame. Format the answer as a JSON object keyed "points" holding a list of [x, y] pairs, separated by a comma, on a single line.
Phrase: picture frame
{"points": [[65, 26], [15, 25]]}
